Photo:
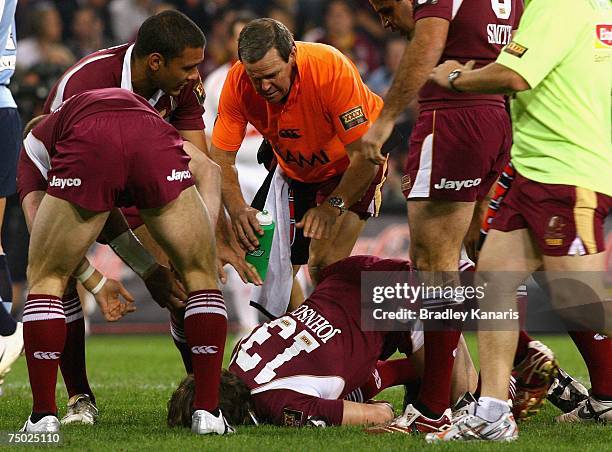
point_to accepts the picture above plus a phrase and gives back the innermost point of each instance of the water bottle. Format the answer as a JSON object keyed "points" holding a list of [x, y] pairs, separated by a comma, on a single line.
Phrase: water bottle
{"points": [[260, 257]]}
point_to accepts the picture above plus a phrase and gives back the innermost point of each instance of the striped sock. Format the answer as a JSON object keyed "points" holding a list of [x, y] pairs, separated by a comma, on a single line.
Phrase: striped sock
{"points": [[177, 331], [44, 334], [435, 390], [389, 373], [596, 350], [72, 362], [205, 330]]}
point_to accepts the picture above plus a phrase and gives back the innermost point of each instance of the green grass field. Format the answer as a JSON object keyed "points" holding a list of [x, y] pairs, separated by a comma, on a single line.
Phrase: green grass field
{"points": [[133, 377]]}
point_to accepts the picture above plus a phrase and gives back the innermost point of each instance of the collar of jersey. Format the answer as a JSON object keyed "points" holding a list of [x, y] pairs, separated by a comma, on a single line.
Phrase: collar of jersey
{"points": [[295, 86], [126, 77]]}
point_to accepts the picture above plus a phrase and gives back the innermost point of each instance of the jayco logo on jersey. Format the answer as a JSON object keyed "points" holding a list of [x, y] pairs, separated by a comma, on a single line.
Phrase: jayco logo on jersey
{"points": [[64, 182], [47, 355], [178, 175], [457, 184], [204, 349]]}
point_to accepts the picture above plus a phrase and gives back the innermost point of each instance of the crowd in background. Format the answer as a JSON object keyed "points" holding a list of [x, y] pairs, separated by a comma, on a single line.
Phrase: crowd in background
{"points": [[53, 35]]}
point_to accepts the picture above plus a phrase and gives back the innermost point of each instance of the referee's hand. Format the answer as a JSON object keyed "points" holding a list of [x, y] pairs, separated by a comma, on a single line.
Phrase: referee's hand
{"points": [[318, 221], [226, 254], [246, 227]]}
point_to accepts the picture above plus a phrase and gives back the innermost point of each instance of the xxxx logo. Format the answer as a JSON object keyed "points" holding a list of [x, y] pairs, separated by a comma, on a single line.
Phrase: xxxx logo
{"points": [[256, 253], [204, 349], [47, 355], [289, 133]]}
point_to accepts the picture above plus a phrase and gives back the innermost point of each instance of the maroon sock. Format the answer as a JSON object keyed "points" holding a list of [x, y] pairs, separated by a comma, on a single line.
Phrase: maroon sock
{"points": [[435, 391], [597, 353], [177, 330], [205, 330], [389, 373], [44, 334], [72, 363], [478, 387], [523, 347]]}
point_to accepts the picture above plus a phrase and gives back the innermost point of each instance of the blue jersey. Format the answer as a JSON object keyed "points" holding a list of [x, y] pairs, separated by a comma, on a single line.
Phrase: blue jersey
{"points": [[8, 50]]}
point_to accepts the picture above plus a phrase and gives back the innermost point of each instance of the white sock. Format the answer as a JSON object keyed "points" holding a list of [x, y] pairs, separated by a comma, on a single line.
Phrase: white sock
{"points": [[491, 409]]}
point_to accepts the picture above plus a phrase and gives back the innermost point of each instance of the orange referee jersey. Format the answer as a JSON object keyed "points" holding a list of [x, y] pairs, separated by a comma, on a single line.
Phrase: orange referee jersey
{"points": [[327, 108]]}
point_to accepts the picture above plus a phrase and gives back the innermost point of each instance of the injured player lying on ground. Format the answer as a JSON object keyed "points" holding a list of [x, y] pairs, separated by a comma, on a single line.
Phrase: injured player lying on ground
{"points": [[316, 366]]}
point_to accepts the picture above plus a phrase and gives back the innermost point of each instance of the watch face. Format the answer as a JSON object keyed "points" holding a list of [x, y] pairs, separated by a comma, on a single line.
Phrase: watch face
{"points": [[454, 75], [336, 201]]}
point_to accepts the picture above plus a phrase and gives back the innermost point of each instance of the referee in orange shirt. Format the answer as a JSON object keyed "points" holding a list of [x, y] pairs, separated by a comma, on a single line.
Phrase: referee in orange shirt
{"points": [[310, 104]]}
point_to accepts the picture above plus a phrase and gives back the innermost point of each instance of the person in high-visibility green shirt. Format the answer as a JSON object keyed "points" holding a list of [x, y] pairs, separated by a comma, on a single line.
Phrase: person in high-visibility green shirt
{"points": [[559, 65]]}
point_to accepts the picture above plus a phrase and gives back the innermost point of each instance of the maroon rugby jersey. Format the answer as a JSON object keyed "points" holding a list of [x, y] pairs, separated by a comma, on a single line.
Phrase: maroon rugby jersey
{"points": [[40, 143], [478, 30], [110, 68], [301, 365]]}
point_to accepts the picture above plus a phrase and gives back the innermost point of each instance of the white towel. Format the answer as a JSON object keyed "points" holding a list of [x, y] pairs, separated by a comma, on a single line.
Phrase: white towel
{"points": [[272, 298]]}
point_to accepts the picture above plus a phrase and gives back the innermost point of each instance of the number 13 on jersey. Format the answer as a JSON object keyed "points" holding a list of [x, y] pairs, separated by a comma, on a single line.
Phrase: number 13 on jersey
{"points": [[285, 327]]}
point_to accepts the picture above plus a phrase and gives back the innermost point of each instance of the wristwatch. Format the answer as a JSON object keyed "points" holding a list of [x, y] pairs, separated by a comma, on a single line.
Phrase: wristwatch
{"points": [[338, 202], [454, 75]]}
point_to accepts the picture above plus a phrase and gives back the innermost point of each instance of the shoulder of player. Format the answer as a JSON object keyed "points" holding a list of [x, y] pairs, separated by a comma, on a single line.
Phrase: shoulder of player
{"points": [[360, 260], [238, 83], [324, 64], [236, 71], [115, 96], [346, 268], [319, 57], [104, 56], [97, 66], [560, 6], [194, 86]]}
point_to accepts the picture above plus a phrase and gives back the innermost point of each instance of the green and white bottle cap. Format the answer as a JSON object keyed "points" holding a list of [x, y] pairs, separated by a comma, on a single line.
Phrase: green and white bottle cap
{"points": [[264, 218]]}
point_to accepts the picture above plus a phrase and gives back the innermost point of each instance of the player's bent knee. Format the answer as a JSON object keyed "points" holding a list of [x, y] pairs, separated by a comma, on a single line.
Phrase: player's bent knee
{"points": [[321, 259], [318, 261], [196, 273], [314, 269], [425, 260]]}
